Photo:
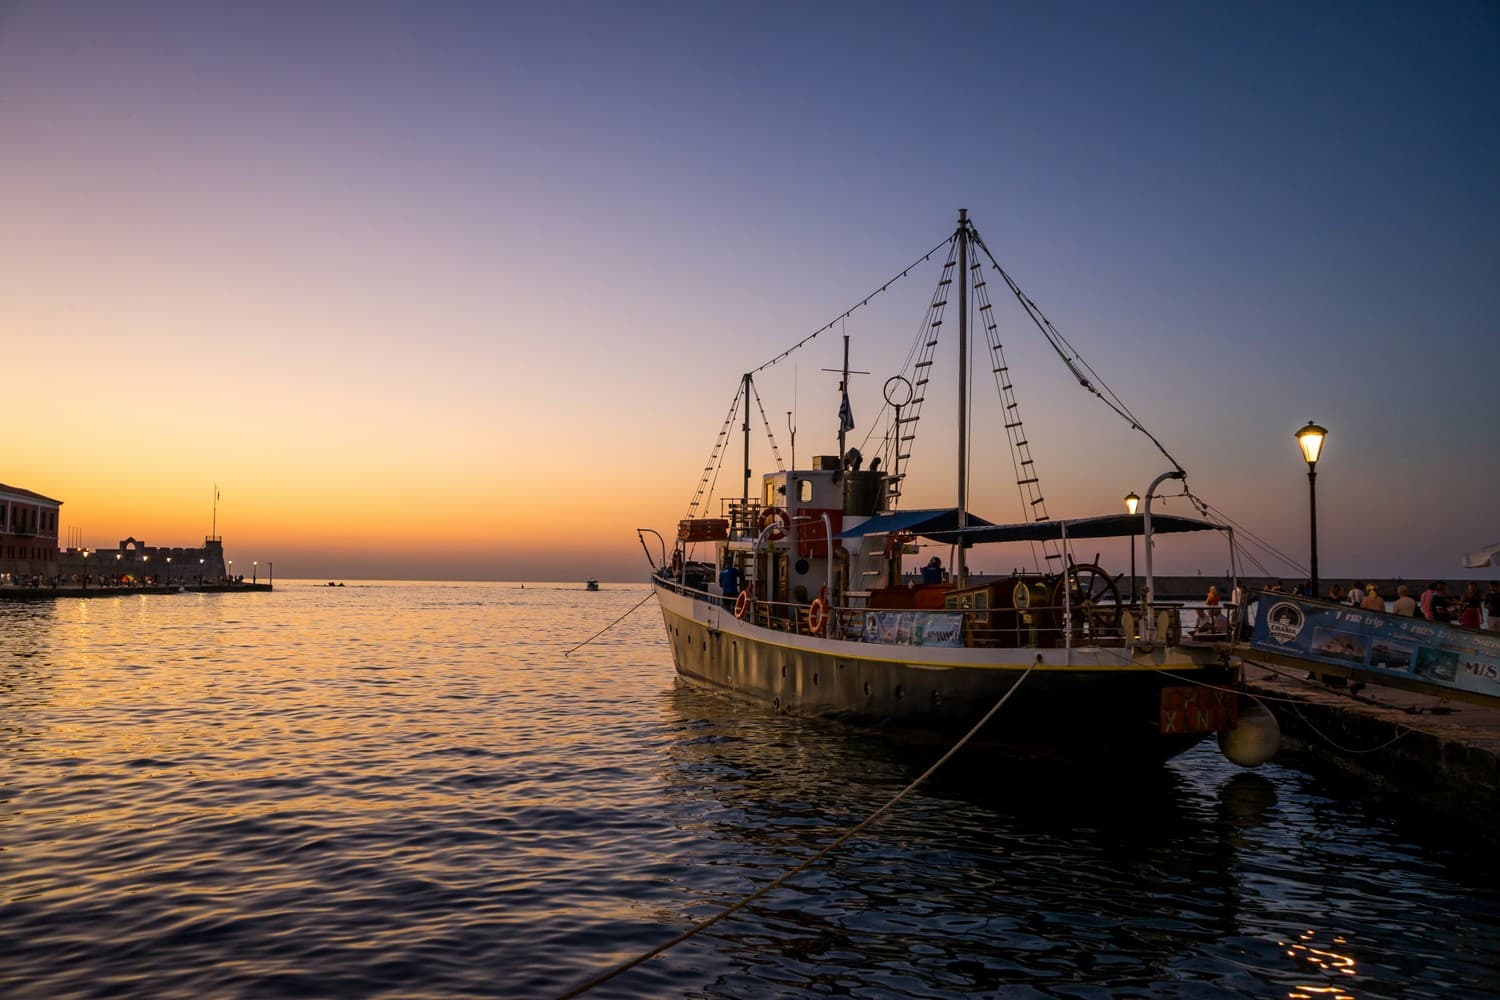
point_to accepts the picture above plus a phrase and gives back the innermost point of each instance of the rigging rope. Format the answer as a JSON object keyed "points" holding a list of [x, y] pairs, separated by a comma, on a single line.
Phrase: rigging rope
{"points": [[702, 925], [846, 313], [613, 623], [716, 456], [770, 435], [1074, 361]]}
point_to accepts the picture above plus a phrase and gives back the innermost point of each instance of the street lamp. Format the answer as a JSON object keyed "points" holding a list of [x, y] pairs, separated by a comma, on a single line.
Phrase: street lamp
{"points": [[1131, 502], [145, 569], [85, 569], [254, 571], [231, 571], [1310, 440], [117, 568], [200, 572], [169, 571]]}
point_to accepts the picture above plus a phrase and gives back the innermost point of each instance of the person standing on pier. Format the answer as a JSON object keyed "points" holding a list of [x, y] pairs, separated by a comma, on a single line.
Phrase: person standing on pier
{"points": [[1471, 608]]}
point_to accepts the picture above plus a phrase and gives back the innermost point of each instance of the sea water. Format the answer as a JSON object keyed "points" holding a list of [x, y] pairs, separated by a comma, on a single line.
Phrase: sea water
{"points": [[397, 790]]}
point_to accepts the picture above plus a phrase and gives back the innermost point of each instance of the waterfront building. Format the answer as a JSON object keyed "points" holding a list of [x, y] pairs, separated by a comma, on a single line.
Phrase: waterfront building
{"points": [[28, 535], [161, 564]]}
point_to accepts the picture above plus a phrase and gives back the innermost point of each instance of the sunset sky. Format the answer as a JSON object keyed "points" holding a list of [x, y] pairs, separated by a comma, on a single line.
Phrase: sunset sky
{"points": [[463, 290]]}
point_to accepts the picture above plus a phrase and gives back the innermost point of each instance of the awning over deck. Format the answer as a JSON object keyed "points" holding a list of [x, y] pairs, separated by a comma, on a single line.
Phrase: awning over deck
{"points": [[942, 526], [934, 523]]}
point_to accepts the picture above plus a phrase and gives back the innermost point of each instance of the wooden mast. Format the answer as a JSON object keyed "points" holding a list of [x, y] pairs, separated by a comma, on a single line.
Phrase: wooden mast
{"points": [[960, 570]]}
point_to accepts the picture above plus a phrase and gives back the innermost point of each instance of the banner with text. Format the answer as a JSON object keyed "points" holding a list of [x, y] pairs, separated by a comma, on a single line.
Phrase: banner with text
{"points": [[914, 628], [1379, 643]]}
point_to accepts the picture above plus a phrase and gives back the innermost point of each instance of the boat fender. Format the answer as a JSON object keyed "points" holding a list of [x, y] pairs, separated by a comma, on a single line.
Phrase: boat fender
{"points": [[817, 614], [742, 603], [1254, 738]]}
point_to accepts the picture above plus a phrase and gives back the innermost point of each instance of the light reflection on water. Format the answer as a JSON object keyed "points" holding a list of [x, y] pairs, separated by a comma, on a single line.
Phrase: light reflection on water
{"points": [[408, 789]]}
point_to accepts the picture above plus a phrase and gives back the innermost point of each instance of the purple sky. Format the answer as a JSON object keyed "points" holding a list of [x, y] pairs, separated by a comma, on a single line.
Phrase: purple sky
{"points": [[523, 253]]}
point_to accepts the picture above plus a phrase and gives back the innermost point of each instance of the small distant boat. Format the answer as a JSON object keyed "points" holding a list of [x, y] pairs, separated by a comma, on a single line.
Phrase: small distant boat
{"points": [[591, 585]]}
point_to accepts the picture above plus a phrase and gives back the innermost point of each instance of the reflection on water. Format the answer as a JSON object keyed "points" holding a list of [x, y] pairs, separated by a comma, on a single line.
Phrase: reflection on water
{"points": [[409, 789]]}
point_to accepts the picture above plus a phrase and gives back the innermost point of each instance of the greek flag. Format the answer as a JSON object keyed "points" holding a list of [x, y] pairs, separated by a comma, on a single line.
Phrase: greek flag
{"points": [[846, 415]]}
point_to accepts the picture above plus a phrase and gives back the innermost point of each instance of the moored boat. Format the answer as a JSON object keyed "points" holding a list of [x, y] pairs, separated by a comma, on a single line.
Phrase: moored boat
{"points": [[796, 596]]}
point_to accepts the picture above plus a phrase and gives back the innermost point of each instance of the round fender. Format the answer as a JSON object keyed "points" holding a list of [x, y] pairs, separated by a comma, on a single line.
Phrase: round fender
{"points": [[742, 603]]}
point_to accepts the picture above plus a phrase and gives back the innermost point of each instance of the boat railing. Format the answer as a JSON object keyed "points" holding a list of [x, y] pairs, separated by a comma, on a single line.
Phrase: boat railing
{"points": [[1041, 627]]}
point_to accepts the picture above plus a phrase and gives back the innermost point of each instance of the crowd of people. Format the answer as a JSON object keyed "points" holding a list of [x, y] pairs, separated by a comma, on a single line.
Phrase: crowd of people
{"points": [[1477, 607]]}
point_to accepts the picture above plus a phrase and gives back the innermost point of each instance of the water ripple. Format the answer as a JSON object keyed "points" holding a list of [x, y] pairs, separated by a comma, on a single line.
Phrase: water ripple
{"points": [[408, 790]]}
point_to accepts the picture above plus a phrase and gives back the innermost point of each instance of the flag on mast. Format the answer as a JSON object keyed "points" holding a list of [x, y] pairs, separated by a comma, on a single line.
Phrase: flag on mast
{"points": [[846, 415]]}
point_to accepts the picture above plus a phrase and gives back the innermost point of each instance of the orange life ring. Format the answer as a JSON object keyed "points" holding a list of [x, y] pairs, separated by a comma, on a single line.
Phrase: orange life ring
{"points": [[772, 515], [817, 613], [742, 603]]}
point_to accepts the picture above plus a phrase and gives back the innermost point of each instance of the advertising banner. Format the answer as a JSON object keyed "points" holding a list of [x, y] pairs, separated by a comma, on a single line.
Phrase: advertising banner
{"points": [[1379, 643], [915, 628]]}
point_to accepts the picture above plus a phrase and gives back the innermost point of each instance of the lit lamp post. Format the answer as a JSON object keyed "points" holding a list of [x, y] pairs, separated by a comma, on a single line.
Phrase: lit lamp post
{"points": [[85, 569], [231, 571], [117, 569], [1310, 440], [1131, 502], [145, 568], [200, 572], [169, 571], [254, 572]]}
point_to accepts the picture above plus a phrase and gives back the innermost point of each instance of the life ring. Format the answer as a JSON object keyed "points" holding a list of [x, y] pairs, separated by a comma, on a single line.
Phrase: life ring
{"points": [[770, 517], [894, 543], [817, 613], [742, 603]]}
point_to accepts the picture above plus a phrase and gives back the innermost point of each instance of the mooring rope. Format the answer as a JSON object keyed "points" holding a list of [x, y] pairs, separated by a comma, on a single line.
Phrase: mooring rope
{"points": [[611, 624], [605, 977]]}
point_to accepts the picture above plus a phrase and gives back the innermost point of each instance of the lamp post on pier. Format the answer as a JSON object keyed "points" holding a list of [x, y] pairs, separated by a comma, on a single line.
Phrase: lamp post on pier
{"points": [[85, 569], [254, 572], [1131, 502], [145, 569], [1310, 440], [169, 571]]}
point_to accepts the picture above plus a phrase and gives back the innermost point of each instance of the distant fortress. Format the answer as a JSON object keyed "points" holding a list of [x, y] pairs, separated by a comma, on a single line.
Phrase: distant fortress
{"points": [[139, 561], [29, 552]]}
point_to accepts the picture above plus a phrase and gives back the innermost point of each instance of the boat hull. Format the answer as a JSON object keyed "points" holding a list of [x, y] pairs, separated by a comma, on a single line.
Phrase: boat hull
{"points": [[1094, 704]]}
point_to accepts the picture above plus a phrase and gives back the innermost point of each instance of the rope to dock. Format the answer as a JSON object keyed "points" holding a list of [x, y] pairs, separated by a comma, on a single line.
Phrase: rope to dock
{"points": [[611, 624], [1402, 731], [702, 925]]}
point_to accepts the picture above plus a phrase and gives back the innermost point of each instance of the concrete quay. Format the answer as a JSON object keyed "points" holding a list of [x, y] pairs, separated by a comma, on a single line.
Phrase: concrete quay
{"points": [[53, 593], [1440, 754]]}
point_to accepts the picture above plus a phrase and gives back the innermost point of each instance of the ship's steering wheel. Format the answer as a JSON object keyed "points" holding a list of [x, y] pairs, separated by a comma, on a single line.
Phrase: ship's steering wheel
{"points": [[1094, 597]]}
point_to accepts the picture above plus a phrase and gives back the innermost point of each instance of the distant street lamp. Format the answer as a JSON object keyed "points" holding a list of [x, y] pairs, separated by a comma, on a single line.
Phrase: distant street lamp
{"points": [[1131, 502], [1310, 440], [254, 571], [147, 560], [200, 572], [231, 571], [85, 569], [117, 569], [169, 571]]}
